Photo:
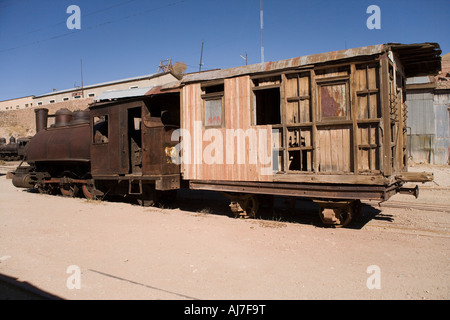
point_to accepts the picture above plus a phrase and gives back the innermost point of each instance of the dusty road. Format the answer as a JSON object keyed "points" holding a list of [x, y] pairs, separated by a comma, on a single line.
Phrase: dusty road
{"points": [[116, 250]]}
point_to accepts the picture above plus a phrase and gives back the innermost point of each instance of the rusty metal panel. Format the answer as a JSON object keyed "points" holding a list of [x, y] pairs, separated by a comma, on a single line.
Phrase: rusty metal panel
{"points": [[106, 156], [152, 156]]}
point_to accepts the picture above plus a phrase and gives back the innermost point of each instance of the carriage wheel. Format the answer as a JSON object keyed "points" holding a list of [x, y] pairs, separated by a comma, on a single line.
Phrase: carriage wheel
{"points": [[243, 206], [338, 214]]}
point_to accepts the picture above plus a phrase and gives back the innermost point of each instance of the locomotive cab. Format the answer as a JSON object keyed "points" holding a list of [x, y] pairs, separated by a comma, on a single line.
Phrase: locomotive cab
{"points": [[131, 145]]}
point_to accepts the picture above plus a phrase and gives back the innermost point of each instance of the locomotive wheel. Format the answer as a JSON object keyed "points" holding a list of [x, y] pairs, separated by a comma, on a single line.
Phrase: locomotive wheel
{"points": [[69, 190], [90, 192], [46, 189]]}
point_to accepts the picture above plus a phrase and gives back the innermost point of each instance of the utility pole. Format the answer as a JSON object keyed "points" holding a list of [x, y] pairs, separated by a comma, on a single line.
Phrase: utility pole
{"points": [[81, 64], [201, 58], [245, 58], [262, 27]]}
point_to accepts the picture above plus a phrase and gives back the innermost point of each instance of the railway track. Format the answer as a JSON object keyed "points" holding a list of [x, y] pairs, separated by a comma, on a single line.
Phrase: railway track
{"points": [[414, 205], [413, 223]]}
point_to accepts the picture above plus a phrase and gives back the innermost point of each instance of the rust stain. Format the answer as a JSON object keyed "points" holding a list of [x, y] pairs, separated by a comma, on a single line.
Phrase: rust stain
{"points": [[333, 101]]}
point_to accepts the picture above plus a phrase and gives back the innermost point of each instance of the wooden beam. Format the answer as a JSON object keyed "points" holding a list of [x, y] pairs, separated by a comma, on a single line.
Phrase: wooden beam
{"points": [[386, 119], [354, 112]]}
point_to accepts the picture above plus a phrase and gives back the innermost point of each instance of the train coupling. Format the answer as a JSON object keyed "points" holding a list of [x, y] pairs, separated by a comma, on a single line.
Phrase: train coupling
{"points": [[412, 191]]}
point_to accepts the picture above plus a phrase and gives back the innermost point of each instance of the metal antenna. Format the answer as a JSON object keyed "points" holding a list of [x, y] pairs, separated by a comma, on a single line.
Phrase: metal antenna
{"points": [[201, 57], [245, 58], [81, 65], [262, 27]]}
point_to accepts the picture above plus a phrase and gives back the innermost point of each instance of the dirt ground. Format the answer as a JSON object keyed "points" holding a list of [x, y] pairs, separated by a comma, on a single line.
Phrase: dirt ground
{"points": [[193, 250]]}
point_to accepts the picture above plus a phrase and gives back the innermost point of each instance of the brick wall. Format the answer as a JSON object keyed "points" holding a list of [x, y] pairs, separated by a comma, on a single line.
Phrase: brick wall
{"points": [[19, 123]]}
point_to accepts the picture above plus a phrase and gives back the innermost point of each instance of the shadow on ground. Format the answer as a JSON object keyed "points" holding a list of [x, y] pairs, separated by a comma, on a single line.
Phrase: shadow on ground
{"points": [[13, 289], [282, 209]]}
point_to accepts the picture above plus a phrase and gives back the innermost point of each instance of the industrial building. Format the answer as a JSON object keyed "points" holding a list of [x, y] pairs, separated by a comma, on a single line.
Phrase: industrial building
{"points": [[90, 91], [428, 100]]}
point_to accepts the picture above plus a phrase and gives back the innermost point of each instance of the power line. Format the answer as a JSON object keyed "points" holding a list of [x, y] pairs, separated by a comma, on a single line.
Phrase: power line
{"points": [[64, 21], [96, 26]]}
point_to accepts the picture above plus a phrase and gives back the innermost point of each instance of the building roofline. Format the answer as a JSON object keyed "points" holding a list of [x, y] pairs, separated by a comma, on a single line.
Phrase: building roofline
{"points": [[428, 62], [17, 98], [148, 76]]}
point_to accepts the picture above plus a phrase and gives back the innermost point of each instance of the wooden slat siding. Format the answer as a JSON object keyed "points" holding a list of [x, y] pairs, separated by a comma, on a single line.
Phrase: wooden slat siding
{"points": [[354, 109], [184, 125], [284, 116], [237, 115], [385, 111], [227, 172], [334, 150], [314, 102], [373, 85], [403, 163], [400, 113], [192, 106]]}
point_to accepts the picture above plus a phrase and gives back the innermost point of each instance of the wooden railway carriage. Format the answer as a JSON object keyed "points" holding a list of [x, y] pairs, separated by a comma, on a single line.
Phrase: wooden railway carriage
{"points": [[330, 127]]}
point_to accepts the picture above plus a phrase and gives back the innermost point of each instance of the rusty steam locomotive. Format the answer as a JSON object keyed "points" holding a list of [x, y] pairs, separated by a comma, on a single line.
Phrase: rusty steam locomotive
{"points": [[118, 147], [14, 150]]}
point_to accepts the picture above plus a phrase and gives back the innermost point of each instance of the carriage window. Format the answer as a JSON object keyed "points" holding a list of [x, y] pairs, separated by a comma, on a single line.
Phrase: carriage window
{"points": [[213, 105], [266, 100], [333, 100], [213, 112], [267, 106], [101, 130]]}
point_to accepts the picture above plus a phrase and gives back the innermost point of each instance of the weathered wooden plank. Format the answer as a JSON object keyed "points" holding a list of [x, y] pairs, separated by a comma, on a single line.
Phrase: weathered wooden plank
{"points": [[385, 110], [366, 179], [354, 109]]}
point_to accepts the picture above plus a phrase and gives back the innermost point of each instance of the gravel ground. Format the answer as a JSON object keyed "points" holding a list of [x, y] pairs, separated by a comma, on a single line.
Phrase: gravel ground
{"points": [[193, 250]]}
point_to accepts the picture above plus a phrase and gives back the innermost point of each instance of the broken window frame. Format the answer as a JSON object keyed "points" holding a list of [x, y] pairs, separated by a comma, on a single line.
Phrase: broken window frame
{"points": [[258, 86], [213, 91], [95, 130]]}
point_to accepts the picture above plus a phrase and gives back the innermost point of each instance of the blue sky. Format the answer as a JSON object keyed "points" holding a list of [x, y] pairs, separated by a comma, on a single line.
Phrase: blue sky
{"points": [[127, 38]]}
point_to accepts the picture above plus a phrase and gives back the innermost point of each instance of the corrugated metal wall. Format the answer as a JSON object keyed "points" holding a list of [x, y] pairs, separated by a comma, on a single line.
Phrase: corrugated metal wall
{"points": [[442, 140], [428, 127]]}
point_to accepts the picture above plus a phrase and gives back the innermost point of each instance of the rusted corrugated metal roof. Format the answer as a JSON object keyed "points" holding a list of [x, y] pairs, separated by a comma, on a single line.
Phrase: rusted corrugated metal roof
{"points": [[418, 58], [282, 64], [167, 88]]}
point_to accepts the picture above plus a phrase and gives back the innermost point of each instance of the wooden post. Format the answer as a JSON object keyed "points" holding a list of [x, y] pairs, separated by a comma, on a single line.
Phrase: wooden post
{"points": [[354, 112], [386, 119]]}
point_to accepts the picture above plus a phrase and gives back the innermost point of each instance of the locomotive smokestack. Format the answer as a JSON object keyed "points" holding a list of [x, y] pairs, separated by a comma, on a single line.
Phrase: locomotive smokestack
{"points": [[41, 119]]}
